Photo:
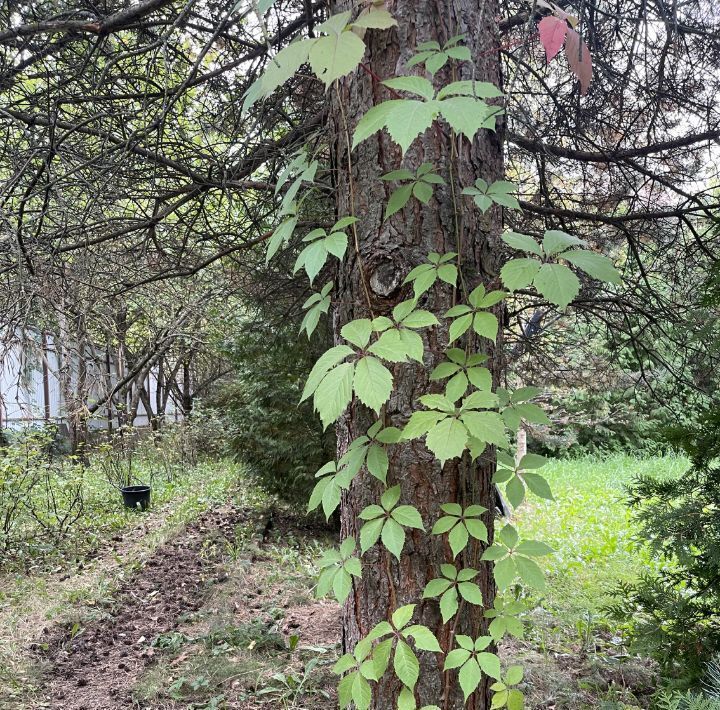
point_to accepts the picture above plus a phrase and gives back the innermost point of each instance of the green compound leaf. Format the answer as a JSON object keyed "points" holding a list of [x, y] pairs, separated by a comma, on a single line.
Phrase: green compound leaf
{"points": [[467, 115], [417, 85], [370, 534], [407, 667], [280, 68], [538, 485], [420, 423], [486, 426], [375, 18], [360, 692], [500, 193], [436, 62], [336, 55], [316, 305], [447, 439], [519, 273], [398, 200], [514, 675], [371, 512], [449, 604], [515, 700], [342, 585], [596, 265], [508, 535], [444, 524], [419, 319], [334, 392], [375, 119], [456, 658], [494, 552], [325, 362], [280, 236], [357, 332], [372, 383], [402, 615], [470, 592], [408, 516], [557, 284], [532, 461], [336, 244], [504, 571], [390, 498], [469, 677], [556, 241], [377, 462], [424, 638], [458, 539], [486, 325], [404, 119], [422, 278], [448, 273], [490, 664], [413, 344], [330, 498], [381, 657], [477, 529], [460, 326], [532, 413], [390, 346], [393, 537], [436, 587], [344, 664], [406, 700], [423, 192], [534, 548], [522, 242], [480, 89], [530, 572]]}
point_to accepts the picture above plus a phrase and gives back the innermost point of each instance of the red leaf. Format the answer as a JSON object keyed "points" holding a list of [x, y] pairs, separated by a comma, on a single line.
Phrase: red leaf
{"points": [[578, 56], [552, 34]]}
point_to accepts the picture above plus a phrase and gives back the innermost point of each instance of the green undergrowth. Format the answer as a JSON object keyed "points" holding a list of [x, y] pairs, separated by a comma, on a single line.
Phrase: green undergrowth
{"points": [[76, 589], [579, 657]]}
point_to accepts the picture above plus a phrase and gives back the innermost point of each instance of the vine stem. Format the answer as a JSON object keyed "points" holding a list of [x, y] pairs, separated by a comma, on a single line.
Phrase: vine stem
{"points": [[451, 639], [351, 186]]}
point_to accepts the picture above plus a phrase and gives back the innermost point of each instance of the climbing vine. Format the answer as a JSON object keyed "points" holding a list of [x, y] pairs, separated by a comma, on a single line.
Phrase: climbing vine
{"points": [[466, 416]]}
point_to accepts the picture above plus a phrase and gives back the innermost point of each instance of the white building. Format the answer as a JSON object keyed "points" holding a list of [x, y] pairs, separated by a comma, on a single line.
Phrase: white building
{"points": [[31, 389]]}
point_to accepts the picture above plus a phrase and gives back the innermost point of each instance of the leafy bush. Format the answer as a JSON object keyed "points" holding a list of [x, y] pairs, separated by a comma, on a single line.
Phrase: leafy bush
{"points": [[55, 508], [674, 614], [21, 462], [280, 441]]}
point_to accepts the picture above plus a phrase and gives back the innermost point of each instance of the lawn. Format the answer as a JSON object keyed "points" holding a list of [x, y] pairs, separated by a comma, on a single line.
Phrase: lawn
{"points": [[580, 658], [590, 528]]}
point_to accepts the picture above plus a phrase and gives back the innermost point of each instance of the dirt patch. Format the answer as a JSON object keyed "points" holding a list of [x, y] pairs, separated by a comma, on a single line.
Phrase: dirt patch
{"points": [[316, 624], [95, 668]]}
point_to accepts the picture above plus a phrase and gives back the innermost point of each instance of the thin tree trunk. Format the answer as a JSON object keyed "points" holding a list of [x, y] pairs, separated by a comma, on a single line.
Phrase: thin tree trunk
{"points": [[389, 250], [187, 398]]}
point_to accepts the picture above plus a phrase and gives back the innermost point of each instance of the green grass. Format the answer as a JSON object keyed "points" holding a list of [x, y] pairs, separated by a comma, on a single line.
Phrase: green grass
{"points": [[590, 527]]}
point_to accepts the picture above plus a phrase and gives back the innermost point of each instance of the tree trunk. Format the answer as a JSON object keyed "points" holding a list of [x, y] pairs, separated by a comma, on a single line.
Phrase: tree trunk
{"points": [[187, 398], [389, 250]]}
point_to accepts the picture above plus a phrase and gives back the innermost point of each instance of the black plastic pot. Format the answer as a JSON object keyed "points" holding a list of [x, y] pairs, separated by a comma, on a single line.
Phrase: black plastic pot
{"points": [[137, 497]]}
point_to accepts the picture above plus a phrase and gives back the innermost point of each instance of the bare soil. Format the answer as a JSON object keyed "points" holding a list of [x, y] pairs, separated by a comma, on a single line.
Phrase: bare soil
{"points": [[96, 667]]}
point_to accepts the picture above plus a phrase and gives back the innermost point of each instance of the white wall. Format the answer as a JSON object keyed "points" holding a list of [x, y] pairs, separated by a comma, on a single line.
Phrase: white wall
{"points": [[22, 395]]}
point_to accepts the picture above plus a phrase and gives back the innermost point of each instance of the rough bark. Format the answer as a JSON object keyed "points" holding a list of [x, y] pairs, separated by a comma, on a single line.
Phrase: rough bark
{"points": [[388, 250]]}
